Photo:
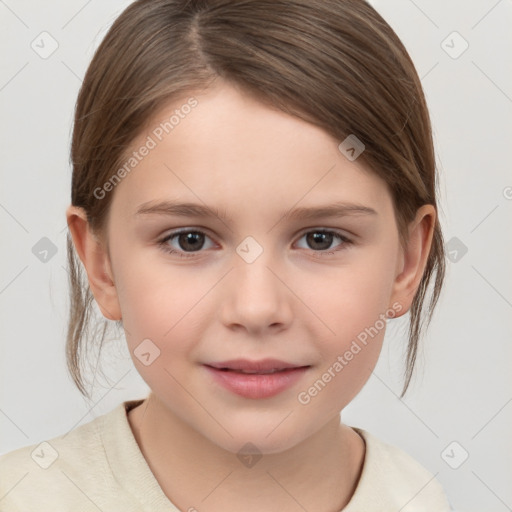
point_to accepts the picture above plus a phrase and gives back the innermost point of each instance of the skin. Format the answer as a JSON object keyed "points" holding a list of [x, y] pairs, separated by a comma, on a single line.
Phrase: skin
{"points": [[292, 303]]}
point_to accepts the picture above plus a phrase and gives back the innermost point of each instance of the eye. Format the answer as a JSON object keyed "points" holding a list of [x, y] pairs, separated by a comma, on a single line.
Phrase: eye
{"points": [[320, 240], [187, 241], [190, 241]]}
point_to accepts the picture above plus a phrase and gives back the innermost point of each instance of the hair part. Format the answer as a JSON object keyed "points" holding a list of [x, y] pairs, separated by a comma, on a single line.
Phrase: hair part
{"points": [[336, 64]]}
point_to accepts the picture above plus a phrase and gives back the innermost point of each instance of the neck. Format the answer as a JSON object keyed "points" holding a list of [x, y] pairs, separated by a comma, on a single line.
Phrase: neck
{"points": [[320, 473]]}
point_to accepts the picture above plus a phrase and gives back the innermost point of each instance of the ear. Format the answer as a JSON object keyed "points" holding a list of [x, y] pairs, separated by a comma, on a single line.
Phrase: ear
{"points": [[413, 259], [96, 261]]}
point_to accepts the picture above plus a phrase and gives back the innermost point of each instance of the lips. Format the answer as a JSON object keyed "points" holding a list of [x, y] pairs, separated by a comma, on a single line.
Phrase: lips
{"points": [[256, 379], [262, 366], [250, 372]]}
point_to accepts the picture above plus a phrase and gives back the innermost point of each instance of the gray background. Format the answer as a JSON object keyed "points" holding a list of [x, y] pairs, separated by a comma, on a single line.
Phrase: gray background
{"points": [[460, 401]]}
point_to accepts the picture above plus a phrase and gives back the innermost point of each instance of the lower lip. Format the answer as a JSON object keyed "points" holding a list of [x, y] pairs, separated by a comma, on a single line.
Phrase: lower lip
{"points": [[257, 385]]}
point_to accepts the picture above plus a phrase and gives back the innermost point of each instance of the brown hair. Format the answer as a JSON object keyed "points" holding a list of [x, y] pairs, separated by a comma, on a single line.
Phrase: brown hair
{"points": [[334, 63]]}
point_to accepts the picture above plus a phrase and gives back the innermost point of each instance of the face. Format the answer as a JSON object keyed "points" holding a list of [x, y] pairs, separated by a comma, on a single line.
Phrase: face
{"points": [[253, 277]]}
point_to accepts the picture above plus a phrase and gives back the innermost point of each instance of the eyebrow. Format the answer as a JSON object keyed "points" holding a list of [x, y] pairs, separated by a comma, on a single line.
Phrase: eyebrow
{"points": [[170, 208]]}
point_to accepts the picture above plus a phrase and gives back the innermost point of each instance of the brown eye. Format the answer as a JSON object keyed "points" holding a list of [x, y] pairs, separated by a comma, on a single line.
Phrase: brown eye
{"points": [[191, 241], [321, 240], [187, 241]]}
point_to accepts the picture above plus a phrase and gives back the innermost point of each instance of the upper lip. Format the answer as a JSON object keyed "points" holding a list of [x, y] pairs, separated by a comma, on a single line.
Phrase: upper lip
{"points": [[255, 366]]}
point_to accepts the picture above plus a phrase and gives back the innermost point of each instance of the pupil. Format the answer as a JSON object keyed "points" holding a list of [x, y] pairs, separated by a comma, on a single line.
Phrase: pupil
{"points": [[193, 239], [320, 238]]}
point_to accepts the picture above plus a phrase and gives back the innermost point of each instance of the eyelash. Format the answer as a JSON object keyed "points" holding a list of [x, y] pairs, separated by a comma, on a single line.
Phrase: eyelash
{"points": [[165, 247]]}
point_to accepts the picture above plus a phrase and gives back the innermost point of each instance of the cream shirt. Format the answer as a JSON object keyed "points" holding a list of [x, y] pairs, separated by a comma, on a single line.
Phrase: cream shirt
{"points": [[98, 467]]}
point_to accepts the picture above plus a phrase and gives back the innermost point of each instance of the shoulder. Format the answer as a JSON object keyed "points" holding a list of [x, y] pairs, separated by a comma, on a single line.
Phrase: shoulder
{"points": [[392, 479], [58, 472]]}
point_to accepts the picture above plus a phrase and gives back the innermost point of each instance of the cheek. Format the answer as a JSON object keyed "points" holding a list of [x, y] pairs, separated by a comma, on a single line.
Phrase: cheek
{"points": [[348, 358], [353, 304], [354, 297], [162, 306], [160, 303], [155, 295]]}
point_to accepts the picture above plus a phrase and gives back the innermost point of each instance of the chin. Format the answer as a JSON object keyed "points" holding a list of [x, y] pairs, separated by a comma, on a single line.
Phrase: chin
{"points": [[277, 438], [257, 444]]}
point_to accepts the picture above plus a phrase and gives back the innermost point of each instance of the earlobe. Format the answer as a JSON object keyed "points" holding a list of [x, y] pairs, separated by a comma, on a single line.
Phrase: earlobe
{"points": [[95, 259], [413, 258]]}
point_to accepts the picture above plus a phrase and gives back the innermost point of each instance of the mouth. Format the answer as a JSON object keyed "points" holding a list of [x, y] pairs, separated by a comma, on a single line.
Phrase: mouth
{"points": [[256, 379], [252, 372], [263, 366]]}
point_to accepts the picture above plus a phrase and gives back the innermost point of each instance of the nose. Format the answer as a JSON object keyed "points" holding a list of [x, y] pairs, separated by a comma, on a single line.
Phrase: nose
{"points": [[256, 296]]}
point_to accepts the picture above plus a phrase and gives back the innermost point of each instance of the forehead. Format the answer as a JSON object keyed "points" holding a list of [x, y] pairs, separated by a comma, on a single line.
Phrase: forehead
{"points": [[230, 149]]}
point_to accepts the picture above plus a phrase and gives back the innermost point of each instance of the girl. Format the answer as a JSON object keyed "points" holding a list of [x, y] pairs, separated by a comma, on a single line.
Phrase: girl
{"points": [[253, 197]]}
